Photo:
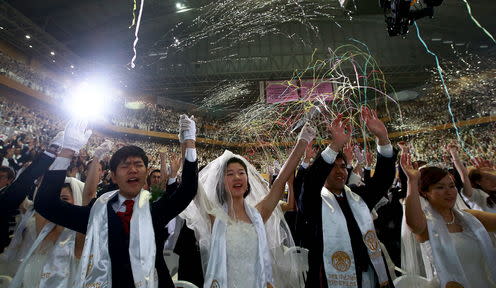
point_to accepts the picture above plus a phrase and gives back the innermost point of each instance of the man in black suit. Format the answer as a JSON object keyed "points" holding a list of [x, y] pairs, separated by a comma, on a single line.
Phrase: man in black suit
{"points": [[128, 170], [329, 171]]}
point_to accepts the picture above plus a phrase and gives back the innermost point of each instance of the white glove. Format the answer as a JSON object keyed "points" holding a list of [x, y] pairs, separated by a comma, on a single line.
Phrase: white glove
{"points": [[76, 135], [58, 139], [307, 133], [103, 149], [187, 128]]}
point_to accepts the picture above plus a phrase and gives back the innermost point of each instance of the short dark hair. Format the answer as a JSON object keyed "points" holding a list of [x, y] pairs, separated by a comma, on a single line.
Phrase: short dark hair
{"points": [[125, 152], [149, 177], [221, 193], [9, 171], [341, 155], [429, 176], [475, 175]]}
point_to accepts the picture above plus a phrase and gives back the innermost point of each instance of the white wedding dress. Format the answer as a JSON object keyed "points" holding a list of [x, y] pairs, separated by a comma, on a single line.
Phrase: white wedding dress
{"points": [[242, 253], [470, 255]]}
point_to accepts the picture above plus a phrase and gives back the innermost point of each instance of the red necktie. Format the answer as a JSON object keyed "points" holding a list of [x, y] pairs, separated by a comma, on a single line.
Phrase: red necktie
{"points": [[126, 216]]}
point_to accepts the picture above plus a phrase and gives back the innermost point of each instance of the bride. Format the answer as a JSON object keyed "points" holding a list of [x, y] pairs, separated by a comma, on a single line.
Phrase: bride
{"points": [[455, 244], [233, 223], [51, 252]]}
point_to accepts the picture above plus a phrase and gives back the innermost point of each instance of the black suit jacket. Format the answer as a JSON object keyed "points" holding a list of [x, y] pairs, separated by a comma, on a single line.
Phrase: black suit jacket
{"points": [[49, 205], [311, 208], [13, 195]]}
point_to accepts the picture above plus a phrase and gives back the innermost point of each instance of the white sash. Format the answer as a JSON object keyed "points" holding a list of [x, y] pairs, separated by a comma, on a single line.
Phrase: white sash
{"points": [[446, 261], [95, 265], [216, 275], [338, 257], [56, 270]]}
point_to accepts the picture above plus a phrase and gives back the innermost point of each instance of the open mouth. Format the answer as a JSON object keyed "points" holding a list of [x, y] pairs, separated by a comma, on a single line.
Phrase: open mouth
{"points": [[132, 180]]}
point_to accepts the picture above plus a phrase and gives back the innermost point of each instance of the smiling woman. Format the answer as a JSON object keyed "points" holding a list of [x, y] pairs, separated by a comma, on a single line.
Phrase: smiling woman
{"points": [[239, 225], [446, 232]]}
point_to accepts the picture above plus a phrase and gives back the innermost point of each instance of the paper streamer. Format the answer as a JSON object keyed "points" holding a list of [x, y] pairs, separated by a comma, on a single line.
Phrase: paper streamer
{"points": [[136, 33], [469, 9], [445, 88]]}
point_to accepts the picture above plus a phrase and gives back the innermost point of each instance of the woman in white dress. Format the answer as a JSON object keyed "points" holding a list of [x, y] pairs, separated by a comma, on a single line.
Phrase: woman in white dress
{"points": [[52, 259], [233, 220], [455, 243]]}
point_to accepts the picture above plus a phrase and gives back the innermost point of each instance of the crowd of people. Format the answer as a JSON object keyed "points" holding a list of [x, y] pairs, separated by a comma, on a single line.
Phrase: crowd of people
{"points": [[66, 191], [24, 74], [157, 118], [471, 97], [80, 208]]}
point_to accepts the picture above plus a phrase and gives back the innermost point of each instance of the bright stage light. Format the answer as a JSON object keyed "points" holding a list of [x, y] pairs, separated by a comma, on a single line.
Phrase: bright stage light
{"points": [[87, 100]]}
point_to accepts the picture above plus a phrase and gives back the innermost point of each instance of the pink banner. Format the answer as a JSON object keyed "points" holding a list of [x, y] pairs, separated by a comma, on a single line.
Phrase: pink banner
{"points": [[313, 89], [281, 91]]}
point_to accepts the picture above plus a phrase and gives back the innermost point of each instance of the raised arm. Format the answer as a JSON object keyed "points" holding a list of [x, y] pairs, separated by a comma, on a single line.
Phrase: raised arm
{"points": [[384, 173], [486, 218], [462, 170], [300, 174], [94, 171], [15, 194], [348, 154], [164, 172], [47, 202], [290, 205], [270, 201], [316, 175], [171, 204], [415, 217]]}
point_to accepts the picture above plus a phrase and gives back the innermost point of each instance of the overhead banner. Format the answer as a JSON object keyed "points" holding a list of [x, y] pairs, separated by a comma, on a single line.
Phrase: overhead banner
{"points": [[281, 91], [304, 90], [316, 89]]}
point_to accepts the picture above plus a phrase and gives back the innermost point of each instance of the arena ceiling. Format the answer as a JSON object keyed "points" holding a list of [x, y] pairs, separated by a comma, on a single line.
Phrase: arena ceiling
{"points": [[181, 57]]}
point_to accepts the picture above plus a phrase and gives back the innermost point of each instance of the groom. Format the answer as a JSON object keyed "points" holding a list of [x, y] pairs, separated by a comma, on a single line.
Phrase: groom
{"points": [[123, 246]]}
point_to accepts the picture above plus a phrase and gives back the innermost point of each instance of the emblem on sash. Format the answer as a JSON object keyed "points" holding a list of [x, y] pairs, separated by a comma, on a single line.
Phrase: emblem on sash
{"points": [[215, 284], [370, 240], [453, 284], [341, 261], [90, 264]]}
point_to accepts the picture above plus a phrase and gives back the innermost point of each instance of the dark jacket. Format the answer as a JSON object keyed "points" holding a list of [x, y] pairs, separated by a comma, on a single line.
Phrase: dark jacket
{"points": [[13, 195], [49, 205], [311, 211]]}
